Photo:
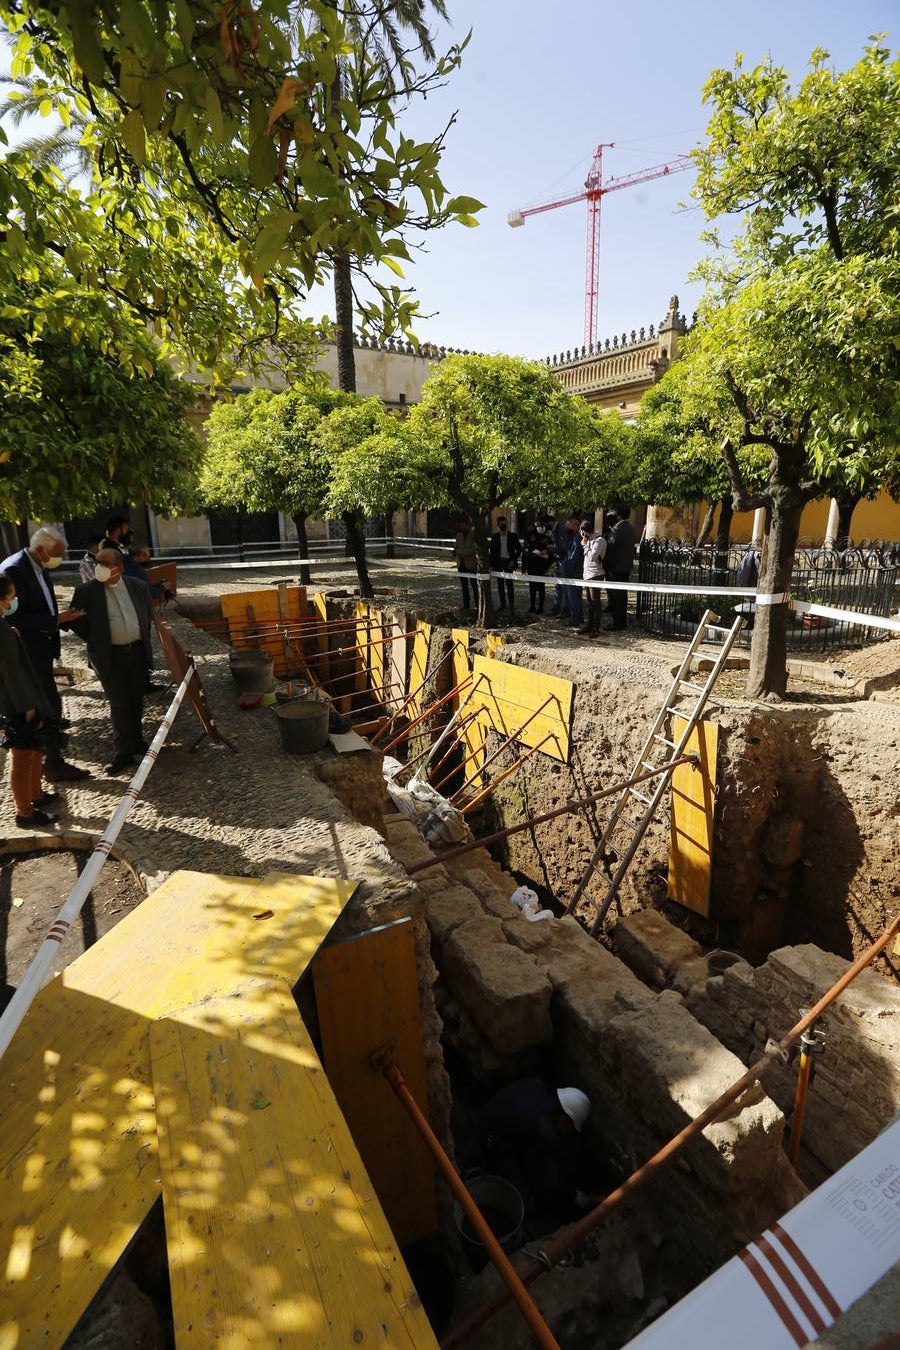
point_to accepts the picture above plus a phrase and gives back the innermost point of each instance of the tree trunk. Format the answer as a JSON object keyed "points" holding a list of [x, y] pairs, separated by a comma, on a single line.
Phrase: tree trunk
{"points": [[767, 678], [847, 503], [706, 527], [343, 325], [487, 615], [302, 548], [390, 550], [723, 539]]}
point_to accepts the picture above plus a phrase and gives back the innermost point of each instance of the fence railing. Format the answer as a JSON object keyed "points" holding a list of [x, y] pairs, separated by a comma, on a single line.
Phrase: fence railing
{"points": [[864, 579]]}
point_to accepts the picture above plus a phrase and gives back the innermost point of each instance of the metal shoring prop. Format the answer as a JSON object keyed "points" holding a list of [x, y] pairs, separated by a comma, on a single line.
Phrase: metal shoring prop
{"points": [[451, 651], [468, 720], [33, 978], [499, 751], [432, 708], [577, 804], [569, 1238], [495, 783], [384, 1061], [462, 726], [812, 1043]]}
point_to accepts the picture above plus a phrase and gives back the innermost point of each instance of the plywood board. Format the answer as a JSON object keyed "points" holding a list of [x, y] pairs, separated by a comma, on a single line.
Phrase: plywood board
{"points": [[363, 681], [323, 664], [693, 818], [460, 637], [77, 1121], [418, 669], [493, 642], [274, 1233], [271, 608], [510, 695], [367, 995], [397, 657], [376, 653]]}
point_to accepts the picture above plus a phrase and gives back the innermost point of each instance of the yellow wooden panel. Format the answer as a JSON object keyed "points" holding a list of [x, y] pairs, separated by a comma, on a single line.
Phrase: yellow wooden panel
{"points": [[363, 683], [275, 1235], [460, 638], [367, 995], [269, 608], [396, 657], [693, 818], [510, 694], [376, 653], [77, 1146], [418, 669], [493, 643], [320, 607]]}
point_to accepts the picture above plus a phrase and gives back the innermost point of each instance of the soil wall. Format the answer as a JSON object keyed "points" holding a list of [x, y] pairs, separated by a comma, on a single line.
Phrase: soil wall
{"points": [[805, 845]]}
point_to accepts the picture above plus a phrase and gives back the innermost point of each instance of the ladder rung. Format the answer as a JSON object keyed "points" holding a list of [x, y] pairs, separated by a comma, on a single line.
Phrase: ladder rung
{"points": [[659, 737], [679, 712], [646, 763], [626, 820], [695, 688], [640, 796]]}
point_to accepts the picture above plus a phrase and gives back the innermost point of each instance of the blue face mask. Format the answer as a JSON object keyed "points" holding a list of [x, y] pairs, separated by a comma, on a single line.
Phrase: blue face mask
{"points": [[13, 606]]}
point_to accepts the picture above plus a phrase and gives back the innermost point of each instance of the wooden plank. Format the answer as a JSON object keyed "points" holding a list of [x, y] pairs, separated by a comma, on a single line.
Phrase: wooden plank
{"points": [[493, 642], [418, 669], [275, 1235], [397, 657], [77, 1125], [693, 818], [363, 681], [271, 607], [460, 638], [376, 653], [510, 694], [367, 995], [323, 665], [349, 743]]}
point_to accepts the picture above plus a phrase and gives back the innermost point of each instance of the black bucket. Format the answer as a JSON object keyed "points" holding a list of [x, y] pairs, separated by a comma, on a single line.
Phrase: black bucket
{"points": [[303, 725], [252, 671], [503, 1209]]}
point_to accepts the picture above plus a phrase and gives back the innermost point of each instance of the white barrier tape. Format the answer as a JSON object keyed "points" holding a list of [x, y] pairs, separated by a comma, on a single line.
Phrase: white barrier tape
{"points": [[783, 599], [890, 625], [652, 588], [34, 976]]}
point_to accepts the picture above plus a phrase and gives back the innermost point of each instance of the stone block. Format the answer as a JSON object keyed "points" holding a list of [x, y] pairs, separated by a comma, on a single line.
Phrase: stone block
{"points": [[492, 899], [690, 973], [449, 910], [654, 948], [504, 992]]}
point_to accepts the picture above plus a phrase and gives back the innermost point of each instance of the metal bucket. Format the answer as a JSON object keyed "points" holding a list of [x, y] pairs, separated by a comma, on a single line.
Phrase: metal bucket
{"points": [[303, 725], [503, 1208], [252, 671]]}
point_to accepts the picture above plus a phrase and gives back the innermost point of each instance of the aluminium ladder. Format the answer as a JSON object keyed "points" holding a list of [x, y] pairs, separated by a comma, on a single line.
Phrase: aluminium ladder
{"points": [[626, 829]]}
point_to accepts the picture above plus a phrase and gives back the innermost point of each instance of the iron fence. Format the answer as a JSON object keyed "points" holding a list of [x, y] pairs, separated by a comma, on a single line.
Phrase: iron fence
{"points": [[865, 578]]}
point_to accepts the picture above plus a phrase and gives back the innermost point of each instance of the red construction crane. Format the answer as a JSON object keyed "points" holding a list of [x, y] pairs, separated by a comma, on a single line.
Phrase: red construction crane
{"points": [[594, 192]]}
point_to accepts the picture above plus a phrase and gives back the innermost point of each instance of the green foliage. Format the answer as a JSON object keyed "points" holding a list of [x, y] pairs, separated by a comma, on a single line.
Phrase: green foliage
{"points": [[263, 454], [366, 449], [492, 429], [89, 413], [234, 152]]}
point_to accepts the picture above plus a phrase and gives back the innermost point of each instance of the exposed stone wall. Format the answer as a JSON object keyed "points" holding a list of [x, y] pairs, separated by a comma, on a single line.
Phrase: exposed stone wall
{"points": [[518, 994], [856, 1087]]}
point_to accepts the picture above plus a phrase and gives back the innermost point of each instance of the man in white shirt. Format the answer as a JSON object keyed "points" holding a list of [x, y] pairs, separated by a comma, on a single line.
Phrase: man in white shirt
{"points": [[594, 546], [116, 628]]}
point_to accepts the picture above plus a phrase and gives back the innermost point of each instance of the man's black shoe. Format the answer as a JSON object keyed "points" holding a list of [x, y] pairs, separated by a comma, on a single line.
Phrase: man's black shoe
{"points": [[48, 799], [119, 763], [65, 773], [614, 628], [38, 820]]}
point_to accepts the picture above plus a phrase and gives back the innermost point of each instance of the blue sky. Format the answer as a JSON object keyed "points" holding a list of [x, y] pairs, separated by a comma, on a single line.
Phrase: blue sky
{"points": [[541, 85]]}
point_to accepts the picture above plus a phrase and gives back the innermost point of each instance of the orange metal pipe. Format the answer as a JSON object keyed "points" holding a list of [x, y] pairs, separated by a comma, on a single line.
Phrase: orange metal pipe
{"points": [[504, 745], [517, 1292], [415, 692], [567, 1240], [492, 787], [432, 708], [454, 740]]}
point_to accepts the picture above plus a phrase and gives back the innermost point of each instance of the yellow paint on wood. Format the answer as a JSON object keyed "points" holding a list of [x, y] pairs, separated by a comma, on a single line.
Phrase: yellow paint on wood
{"points": [[693, 818], [77, 1123], [367, 995], [376, 653], [275, 1235], [460, 637], [509, 695], [418, 669], [281, 605], [323, 665], [493, 643], [363, 682]]}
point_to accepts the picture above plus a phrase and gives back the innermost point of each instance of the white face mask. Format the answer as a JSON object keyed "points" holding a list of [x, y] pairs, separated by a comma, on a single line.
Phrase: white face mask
{"points": [[51, 563], [102, 572]]}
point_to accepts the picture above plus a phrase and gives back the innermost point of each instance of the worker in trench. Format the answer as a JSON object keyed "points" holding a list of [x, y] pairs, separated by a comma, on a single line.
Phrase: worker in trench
{"points": [[528, 1133]]}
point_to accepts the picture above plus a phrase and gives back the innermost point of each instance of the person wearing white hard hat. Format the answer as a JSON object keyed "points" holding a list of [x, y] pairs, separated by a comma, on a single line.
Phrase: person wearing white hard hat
{"points": [[528, 1133]]}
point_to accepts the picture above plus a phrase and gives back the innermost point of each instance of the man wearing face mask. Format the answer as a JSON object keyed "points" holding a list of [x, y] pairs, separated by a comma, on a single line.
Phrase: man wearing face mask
{"points": [[38, 619], [116, 627], [118, 536]]}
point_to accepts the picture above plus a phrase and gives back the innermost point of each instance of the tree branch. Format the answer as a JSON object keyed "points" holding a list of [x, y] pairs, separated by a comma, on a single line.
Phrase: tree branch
{"points": [[741, 498]]}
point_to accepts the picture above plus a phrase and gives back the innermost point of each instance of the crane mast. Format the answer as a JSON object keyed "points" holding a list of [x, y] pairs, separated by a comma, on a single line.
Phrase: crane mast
{"points": [[593, 193]]}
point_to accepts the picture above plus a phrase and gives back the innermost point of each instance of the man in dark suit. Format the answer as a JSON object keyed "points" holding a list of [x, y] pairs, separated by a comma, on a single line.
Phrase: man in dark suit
{"points": [[116, 628], [38, 619], [504, 554]]}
